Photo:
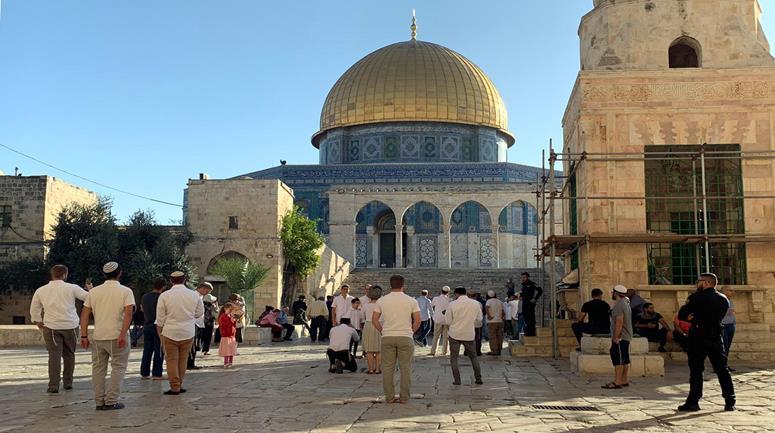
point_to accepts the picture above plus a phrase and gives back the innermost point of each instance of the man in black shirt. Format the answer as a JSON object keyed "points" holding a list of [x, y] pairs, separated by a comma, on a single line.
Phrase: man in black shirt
{"points": [[151, 341], [708, 307], [647, 325], [530, 295], [596, 314]]}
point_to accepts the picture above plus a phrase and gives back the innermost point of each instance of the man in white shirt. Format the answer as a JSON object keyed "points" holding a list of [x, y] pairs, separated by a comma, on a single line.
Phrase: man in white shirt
{"points": [[341, 305], [112, 305], [425, 318], [461, 316], [53, 310], [177, 313], [495, 316], [514, 316], [401, 316], [440, 327], [339, 347]]}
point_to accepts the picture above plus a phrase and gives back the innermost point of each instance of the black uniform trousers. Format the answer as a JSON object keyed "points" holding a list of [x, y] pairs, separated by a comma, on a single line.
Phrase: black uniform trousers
{"points": [[699, 348], [529, 314]]}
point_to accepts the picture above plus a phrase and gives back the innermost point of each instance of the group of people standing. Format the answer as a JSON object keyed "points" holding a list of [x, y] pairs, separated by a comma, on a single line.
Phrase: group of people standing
{"points": [[177, 322]]}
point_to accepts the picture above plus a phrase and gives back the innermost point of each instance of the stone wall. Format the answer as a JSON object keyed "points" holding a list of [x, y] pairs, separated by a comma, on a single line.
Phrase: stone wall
{"points": [[259, 206], [35, 202], [331, 272], [15, 304]]}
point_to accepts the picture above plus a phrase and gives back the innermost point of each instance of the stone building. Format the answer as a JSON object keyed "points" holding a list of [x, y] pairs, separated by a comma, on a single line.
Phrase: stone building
{"points": [[673, 98], [29, 206]]}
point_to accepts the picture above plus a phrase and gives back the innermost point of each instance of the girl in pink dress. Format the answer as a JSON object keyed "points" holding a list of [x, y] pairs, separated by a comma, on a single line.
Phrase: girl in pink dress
{"points": [[227, 323]]}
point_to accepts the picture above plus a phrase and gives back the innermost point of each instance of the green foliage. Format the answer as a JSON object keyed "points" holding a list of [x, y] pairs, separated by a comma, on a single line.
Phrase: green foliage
{"points": [[301, 241], [85, 237], [22, 276], [241, 275]]}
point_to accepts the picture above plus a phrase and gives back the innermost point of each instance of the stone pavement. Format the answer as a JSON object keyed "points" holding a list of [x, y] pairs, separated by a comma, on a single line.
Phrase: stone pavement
{"points": [[286, 388]]}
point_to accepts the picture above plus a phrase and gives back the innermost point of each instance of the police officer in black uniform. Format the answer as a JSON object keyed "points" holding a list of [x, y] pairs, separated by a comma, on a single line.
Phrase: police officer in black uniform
{"points": [[530, 294], [708, 307]]}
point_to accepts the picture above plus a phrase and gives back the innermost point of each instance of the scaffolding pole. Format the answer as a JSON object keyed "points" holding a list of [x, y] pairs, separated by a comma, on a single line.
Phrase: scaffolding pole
{"points": [[552, 282]]}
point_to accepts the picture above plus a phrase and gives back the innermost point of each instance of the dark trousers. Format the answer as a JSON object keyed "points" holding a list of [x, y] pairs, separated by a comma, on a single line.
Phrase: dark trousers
{"points": [[288, 331], [587, 328], [728, 334], [191, 361], [60, 344], [354, 344], [344, 356], [135, 334], [529, 314], [422, 332], [151, 352], [700, 348], [469, 350], [682, 340], [318, 328], [654, 335], [478, 340], [238, 335], [206, 337]]}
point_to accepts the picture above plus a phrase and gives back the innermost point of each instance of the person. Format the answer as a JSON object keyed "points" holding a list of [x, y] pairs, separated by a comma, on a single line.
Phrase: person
{"points": [[507, 327], [177, 312], [238, 306], [708, 308], [356, 321], [330, 306], [339, 348], [477, 324], [318, 312], [462, 315], [648, 325], [299, 312], [440, 326], [594, 317], [401, 316], [484, 331], [621, 336], [529, 295], [371, 337], [227, 323], [151, 342], [511, 288], [515, 316], [268, 319], [636, 302], [495, 316], [728, 322], [426, 311], [204, 288], [53, 311], [210, 303], [341, 304], [282, 320], [111, 304], [683, 323], [138, 320]]}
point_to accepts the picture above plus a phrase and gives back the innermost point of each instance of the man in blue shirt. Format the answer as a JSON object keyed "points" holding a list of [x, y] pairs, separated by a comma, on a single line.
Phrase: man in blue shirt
{"points": [[426, 311]]}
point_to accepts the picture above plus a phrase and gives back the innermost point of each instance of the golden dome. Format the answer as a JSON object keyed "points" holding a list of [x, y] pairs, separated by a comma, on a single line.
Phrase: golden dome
{"points": [[414, 81]]}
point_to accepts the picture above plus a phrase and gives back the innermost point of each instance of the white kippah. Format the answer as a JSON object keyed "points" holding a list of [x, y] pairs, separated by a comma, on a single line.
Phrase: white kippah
{"points": [[491, 293], [177, 274], [620, 289], [109, 267], [445, 289]]}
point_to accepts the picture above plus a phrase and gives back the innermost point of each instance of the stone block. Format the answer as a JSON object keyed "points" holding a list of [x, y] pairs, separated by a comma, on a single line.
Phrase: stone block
{"points": [[602, 345], [584, 364]]}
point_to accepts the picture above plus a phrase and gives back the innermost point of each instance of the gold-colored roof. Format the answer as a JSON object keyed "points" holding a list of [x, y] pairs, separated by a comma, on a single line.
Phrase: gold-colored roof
{"points": [[414, 81]]}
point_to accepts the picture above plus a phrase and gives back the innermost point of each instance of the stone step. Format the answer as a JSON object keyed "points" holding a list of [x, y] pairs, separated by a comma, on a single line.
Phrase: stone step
{"points": [[646, 365], [518, 350], [547, 341]]}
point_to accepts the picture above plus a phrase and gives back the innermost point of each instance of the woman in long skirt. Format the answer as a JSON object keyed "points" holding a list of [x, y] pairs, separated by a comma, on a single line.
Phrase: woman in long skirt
{"points": [[372, 339]]}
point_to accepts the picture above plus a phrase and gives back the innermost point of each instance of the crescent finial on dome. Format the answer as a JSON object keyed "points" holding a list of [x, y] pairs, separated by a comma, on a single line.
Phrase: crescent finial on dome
{"points": [[414, 26]]}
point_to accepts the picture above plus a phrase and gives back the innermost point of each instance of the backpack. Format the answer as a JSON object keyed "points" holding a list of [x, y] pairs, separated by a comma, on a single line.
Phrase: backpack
{"points": [[209, 316]]}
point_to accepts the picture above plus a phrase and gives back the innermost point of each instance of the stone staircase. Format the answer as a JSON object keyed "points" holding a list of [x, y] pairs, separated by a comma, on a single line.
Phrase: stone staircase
{"points": [[541, 344], [418, 279], [753, 342]]}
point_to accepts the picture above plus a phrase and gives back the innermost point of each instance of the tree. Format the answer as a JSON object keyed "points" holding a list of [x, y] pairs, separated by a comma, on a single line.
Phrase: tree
{"points": [[22, 276], [241, 276], [85, 238], [301, 242]]}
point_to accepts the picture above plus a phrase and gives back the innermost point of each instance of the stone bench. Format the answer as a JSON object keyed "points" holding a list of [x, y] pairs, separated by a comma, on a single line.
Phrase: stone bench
{"points": [[594, 358]]}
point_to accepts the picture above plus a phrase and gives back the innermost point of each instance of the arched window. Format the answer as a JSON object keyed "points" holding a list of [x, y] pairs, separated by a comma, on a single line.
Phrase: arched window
{"points": [[685, 52]]}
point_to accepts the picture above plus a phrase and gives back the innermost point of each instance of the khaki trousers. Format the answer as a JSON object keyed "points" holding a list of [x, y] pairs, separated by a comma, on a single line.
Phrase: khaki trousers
{"points": [[60, 344], [496, 337], [440, 333], [400, 349], [104, 352], [176, 355]]}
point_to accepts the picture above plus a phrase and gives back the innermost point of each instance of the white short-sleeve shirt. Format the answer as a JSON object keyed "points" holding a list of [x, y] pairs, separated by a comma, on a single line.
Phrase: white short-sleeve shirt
{"points": [[396, 309], [107, 302]]}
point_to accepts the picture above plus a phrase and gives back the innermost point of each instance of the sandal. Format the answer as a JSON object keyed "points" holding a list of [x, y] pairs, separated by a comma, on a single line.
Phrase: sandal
{"points": [[378, 372], [611, 385], [369, 372]]}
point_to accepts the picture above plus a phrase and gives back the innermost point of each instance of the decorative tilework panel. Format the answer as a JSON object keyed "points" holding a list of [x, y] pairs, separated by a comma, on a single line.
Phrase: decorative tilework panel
{"points": [[450, 147], [468, 152], [429, 148], [428, 251], [354, 150], [334, 151], [390, 150], [487, 251], [372, 148], [410, 146], [362, 251], [488, 152]]}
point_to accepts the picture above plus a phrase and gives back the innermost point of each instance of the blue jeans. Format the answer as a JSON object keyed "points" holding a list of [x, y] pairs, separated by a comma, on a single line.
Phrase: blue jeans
{"points": [[151, 349], [422, 332], [520, 324], [728, 334]]}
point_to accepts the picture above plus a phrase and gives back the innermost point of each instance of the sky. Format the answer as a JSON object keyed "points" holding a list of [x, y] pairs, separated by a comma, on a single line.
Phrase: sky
{"points": [[142, 95]]}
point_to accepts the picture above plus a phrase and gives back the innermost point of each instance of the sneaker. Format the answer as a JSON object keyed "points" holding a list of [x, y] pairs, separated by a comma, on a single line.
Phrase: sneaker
{"points": [[686, 407], [730, 407], [52, 391], [115, 406], [68, 387], [479, 382]]}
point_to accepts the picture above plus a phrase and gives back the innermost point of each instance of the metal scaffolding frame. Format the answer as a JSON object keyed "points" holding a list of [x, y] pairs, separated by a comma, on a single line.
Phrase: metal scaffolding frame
{"points": [[551, 245]]}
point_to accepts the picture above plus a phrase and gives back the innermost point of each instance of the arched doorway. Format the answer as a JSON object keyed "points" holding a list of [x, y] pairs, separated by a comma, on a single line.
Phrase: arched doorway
{"points": [[516, 235], [375, 233], [220, 290], [472, 244], [422, 223]]}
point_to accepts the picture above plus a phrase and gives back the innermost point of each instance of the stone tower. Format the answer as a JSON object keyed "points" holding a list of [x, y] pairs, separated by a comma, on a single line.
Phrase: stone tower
{"points": [[672, 77], [626, 35]]}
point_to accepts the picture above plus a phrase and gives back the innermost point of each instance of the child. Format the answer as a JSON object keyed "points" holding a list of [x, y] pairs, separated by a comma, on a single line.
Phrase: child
{"points": [[356, 320], [227, 324]]}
